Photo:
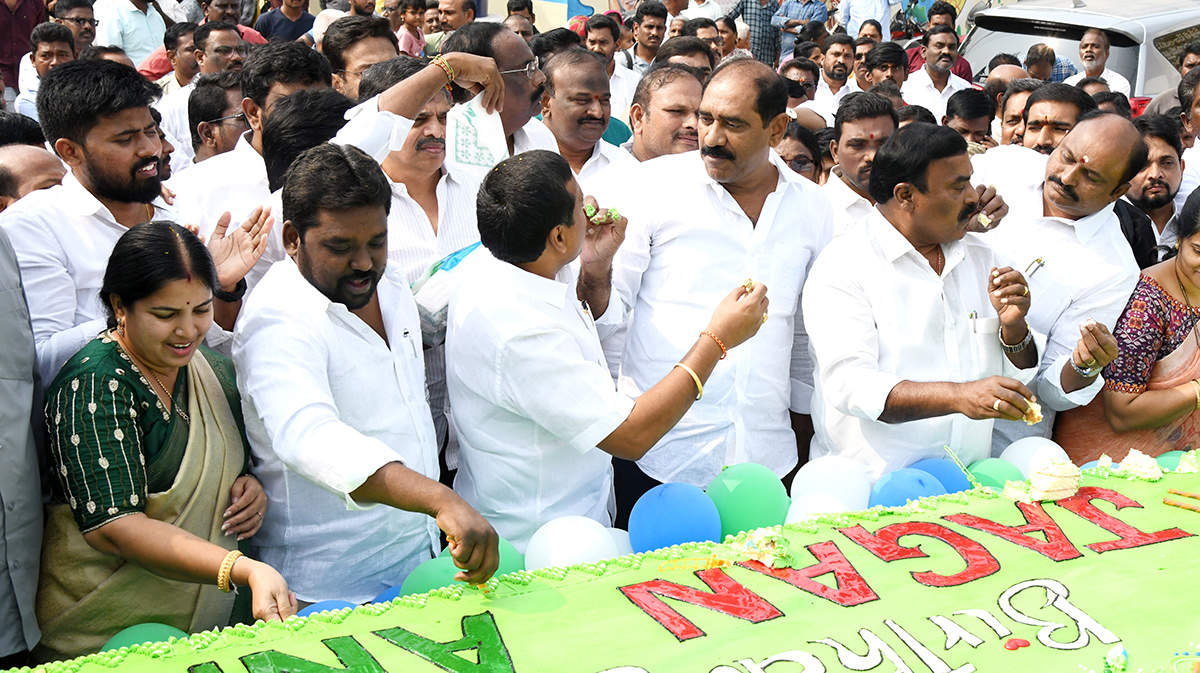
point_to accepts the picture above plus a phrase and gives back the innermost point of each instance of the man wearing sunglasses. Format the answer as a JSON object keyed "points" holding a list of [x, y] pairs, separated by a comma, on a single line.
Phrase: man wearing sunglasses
{"points": [[158, 63], [523, 85], [77, 15]]}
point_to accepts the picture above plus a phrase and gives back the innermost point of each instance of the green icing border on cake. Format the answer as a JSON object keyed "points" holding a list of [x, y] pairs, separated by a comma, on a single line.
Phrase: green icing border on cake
{"points": [[517, 581]]}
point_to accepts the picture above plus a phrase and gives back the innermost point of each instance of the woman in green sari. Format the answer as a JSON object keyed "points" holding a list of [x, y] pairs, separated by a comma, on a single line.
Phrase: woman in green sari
{"points": [[150, 490]]}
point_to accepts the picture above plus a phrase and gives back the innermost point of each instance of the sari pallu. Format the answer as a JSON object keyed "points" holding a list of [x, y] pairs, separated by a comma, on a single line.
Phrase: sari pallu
{"points": [[85, 596], [1085, 434]]}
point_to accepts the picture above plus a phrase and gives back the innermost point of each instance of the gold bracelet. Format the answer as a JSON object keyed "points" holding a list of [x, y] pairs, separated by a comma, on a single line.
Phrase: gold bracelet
{"points": [[445, 66], [696, 379], [1196, 386], [224, 582]]}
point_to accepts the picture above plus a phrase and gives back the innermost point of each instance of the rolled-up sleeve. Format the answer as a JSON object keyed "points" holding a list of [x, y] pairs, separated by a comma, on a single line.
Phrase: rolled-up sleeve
{"points": [[282, 366]]}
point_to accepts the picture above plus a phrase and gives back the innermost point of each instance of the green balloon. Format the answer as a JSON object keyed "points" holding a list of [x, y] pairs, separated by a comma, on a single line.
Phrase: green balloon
{"points": [[994, 473], [1170, 460], [511, 560], [432, 574], [748, 496], [142, 633]]}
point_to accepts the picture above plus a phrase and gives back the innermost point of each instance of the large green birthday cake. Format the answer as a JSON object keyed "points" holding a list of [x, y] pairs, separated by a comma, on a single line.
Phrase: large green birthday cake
{"points": [[958, 583]]}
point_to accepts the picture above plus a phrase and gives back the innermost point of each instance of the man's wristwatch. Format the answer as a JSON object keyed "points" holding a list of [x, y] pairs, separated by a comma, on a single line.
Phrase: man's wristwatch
{"points": [[1018, 347], [239, 291]]}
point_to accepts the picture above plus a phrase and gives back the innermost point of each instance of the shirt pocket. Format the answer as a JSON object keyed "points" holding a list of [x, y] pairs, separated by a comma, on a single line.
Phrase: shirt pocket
{"points": [[17, 355], [785, 277]]}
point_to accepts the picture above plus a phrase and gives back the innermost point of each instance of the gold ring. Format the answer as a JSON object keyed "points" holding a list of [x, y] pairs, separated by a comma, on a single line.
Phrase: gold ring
{"points": [[996, 405], [1090, 364], [764, 318], [1026, 292]]}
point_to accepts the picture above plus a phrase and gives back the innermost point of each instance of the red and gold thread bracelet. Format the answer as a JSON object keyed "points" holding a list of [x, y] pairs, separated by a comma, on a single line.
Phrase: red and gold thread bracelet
{"points": [[721, 344]]}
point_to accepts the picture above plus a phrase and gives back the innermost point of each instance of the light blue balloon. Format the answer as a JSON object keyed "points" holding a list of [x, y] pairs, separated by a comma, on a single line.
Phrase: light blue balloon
{"points": [[949, 474], [671, 514], [896, 488], [325, 606], [387, 595]]}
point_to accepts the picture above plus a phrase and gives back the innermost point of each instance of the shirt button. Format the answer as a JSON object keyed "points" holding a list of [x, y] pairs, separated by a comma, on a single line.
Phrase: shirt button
{"points": [[11, 505]]}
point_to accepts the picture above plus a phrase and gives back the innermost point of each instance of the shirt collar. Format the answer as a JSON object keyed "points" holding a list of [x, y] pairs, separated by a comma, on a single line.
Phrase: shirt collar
{"points": [[841, 194], [1087, 227], [894, 245], [78, 200]]}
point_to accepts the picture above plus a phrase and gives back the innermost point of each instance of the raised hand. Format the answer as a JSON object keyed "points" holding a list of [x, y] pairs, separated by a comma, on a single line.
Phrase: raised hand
{"points": [[235, 252], [605, 233], [1009, 295], [478, 73]]}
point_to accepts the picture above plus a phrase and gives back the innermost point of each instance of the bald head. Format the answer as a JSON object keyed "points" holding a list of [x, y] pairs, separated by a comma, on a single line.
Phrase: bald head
{"points": [[1093, 165], [25, 169], [997, 82]]}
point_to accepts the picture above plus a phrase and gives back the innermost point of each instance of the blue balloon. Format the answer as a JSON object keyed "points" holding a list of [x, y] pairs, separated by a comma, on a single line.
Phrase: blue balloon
{"points": [[325, 606], [898, 487], [671, 514], [388, 595], [1090, 464], [950, 475]]}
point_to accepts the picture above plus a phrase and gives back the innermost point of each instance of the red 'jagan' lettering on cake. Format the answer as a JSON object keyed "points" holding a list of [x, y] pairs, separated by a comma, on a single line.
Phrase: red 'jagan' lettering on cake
{"points": [[1055, 547], [849, 587], [728, 597], [1130, 537], [884, 543]]}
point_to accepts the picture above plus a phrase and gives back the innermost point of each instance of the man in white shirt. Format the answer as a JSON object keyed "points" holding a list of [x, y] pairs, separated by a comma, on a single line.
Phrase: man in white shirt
{"points": [[736, 211], [602, 36], [576, 108], [523, 82], [1187, 90], [218, 48], [432, 213], [1153, 191], [663, 114], [236, 182], [836, 65], [133, 25], [704, 9], [1063, 235], [332, 432], [919, 336], [536, 411], [931, 86], [25, 169], [863, 123], [1093, 53], [853, 12]]}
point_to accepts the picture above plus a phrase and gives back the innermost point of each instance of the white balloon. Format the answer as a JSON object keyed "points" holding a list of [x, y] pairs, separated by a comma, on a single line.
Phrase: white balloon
{"points": [[621, 537], [1030, 454], [811, 505], [836, 476], [569, 540]]}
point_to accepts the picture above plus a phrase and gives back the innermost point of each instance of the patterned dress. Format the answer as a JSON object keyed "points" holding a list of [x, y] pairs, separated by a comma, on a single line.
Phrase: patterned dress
{"points": [[1153, 325]]}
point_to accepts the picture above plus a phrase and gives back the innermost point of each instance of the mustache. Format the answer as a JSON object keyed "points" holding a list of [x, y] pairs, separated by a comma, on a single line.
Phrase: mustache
{"points": [[1069, 191], [536, 96], [717, 152], [968, 212], [426, 142], [361, 275], [589, 118]]}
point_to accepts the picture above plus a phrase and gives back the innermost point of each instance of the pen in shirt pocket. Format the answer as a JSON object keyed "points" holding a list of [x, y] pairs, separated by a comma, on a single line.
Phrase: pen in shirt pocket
{"points": [[1034, 266], [411, 344]]}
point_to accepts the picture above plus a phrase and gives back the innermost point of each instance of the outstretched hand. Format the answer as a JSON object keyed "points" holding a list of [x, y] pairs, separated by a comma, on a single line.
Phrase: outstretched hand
{"points": [[605, 233], [236, 252]]}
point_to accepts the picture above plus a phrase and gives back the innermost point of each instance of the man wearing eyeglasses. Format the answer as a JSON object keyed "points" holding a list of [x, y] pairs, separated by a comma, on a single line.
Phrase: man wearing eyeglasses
{"points": [[215, 116], [218, 48], [158, 63], [77, 15], [354, 43], [523, 85], [802, 75]]}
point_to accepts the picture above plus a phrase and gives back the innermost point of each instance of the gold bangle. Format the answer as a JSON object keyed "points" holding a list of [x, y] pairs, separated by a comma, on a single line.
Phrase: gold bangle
{"points": [[696, 379], [1196, 387], [446, 68], [224, 582]]}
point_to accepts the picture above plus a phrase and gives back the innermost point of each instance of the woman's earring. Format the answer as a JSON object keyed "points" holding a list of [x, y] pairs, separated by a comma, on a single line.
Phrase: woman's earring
{"points": [[121, 327]]}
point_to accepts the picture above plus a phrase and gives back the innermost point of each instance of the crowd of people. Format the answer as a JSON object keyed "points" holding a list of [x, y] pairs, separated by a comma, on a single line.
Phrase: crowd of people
{"points": [[290, 307]]}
